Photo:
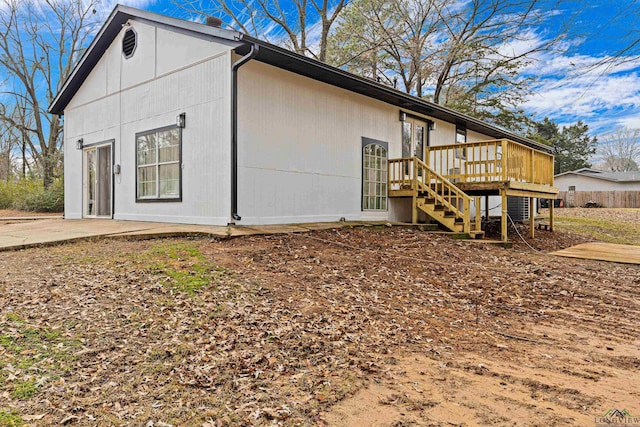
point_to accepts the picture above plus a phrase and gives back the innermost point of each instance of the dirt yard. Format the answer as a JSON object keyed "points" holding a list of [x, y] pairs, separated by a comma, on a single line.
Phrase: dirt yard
{"points": [[348, 327]]}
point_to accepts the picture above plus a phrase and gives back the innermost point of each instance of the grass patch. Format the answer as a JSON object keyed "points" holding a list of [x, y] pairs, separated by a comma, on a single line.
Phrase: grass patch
{"points": [[23, 390], [29, 349], [184, 265], [603, 229], [10, 419], [14, 318]]}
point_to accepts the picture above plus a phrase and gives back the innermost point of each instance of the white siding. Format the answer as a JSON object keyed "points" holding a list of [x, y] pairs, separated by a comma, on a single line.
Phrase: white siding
{"points": [[300, 140], [473, 136], [123, 97], [300, 147], [444, 134]]}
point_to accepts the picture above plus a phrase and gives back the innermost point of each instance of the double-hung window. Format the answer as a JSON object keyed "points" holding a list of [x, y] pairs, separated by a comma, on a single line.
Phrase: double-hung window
{"points": [[158, 165]]}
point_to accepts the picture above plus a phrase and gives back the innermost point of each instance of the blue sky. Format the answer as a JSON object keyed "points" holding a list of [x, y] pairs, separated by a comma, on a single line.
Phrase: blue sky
{"points": [[571, 88]]}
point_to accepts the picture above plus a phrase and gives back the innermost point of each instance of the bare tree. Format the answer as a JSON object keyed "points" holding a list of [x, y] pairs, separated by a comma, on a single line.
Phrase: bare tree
{"points": [[467, 55], [8, 141], [384, 40], [620, 150], [40, 41], [301, 25], [626, 46], [486, 46]]}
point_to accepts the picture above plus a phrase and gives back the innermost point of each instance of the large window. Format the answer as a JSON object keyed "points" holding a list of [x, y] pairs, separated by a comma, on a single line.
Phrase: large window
{"points": [[158, 164], [374, 176]]}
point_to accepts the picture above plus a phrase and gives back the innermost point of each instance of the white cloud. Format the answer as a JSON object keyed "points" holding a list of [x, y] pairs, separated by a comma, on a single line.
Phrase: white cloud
{"points": [[586, 88], [632, 122], [105, 7]]}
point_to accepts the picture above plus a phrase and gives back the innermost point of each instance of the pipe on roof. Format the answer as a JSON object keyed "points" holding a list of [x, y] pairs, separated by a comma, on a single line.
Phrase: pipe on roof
{"points": [[234, 128]]}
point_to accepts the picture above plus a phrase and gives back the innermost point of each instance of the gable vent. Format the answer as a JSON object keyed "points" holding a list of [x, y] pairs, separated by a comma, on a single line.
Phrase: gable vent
{"points": [[129, 42]]}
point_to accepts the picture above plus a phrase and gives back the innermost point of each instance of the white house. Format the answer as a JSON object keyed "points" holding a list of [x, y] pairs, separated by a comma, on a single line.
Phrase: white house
{"points": [[608, 189], [176, 121], [595, 180]]}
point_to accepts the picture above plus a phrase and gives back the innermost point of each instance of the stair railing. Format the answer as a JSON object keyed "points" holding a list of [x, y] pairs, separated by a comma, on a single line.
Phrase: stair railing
{"points": [[411, 174], [443, 191]]}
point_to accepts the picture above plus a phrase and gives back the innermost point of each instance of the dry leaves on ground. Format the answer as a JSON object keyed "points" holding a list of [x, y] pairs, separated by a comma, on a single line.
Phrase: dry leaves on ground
{"points": [[274, 329]]}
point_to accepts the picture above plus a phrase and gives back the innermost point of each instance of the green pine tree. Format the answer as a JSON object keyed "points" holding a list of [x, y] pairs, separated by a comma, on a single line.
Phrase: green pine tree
{"points": [[572, 146]]}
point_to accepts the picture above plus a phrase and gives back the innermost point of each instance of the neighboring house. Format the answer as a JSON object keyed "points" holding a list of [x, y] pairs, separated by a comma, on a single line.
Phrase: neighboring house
{"points": [[609, 189], [171, 120]]}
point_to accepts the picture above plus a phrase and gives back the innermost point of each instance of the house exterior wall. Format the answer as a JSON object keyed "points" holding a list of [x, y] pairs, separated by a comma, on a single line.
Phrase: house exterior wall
{"points": [[473, 136], [300, 140], [300, 149], [444, 134], [169, 73], [586, 183]]}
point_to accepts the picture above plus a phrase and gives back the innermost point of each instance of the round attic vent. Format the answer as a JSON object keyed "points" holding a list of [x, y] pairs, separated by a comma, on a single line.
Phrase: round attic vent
{"points": [[129, 42]]}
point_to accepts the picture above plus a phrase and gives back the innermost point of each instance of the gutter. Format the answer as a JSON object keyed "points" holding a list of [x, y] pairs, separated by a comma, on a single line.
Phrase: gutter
{"points": [[234, 128]]}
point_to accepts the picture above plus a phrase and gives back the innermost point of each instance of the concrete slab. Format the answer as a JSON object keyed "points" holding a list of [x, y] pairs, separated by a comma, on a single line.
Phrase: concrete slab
{"points": [[25, 234], [612, 252], [28, 218], [19, 235], [34, 233]]}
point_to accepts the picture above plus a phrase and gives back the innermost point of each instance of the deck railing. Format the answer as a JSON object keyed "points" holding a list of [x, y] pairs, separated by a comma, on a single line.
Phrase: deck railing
{"points": [[489, 161], [413, 174]]}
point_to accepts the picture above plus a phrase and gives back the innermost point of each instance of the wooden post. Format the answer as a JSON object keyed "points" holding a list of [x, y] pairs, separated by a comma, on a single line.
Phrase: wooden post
{"points": [[551, 206], [503, 222], [504, 160], [467, 214], [532, 218], [532, 173], [414, 187], [478, 209], [427, 159]]}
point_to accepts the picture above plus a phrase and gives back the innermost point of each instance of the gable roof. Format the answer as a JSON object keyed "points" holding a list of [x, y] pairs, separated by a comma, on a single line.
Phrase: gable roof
{"points": [[604, 175], [276, 56]]}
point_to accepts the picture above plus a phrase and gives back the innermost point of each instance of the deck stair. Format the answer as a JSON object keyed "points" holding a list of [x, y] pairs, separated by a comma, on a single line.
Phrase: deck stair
{"points": [[434, 195]]}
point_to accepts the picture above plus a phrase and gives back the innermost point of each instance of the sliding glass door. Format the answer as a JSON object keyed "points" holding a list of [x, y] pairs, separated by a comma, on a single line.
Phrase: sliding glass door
{"points": [[97, 181]]}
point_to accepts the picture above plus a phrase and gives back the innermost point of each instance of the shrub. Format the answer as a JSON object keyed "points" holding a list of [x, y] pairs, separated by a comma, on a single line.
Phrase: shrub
{"points": [[29, 195], [36, 198], [7, 194]]}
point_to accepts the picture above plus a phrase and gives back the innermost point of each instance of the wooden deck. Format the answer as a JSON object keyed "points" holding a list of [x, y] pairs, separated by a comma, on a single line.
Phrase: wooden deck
{"points": [[612, 252], [491, 161], [451, 175], [512, 188]]}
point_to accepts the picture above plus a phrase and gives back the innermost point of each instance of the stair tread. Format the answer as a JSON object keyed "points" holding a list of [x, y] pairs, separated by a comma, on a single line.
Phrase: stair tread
{"points": [[430, 201]]}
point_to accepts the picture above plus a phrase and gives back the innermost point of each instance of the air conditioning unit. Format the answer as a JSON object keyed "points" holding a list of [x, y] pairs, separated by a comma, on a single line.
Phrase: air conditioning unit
{"points": [[518, 208]]}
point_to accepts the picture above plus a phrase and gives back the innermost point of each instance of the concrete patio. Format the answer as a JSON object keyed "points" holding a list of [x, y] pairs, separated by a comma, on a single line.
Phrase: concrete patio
{"points": [[20, 233]]}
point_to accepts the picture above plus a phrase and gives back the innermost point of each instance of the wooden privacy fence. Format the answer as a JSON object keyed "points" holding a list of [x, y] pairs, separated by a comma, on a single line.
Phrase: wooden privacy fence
{"points": [[608, 199]]}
